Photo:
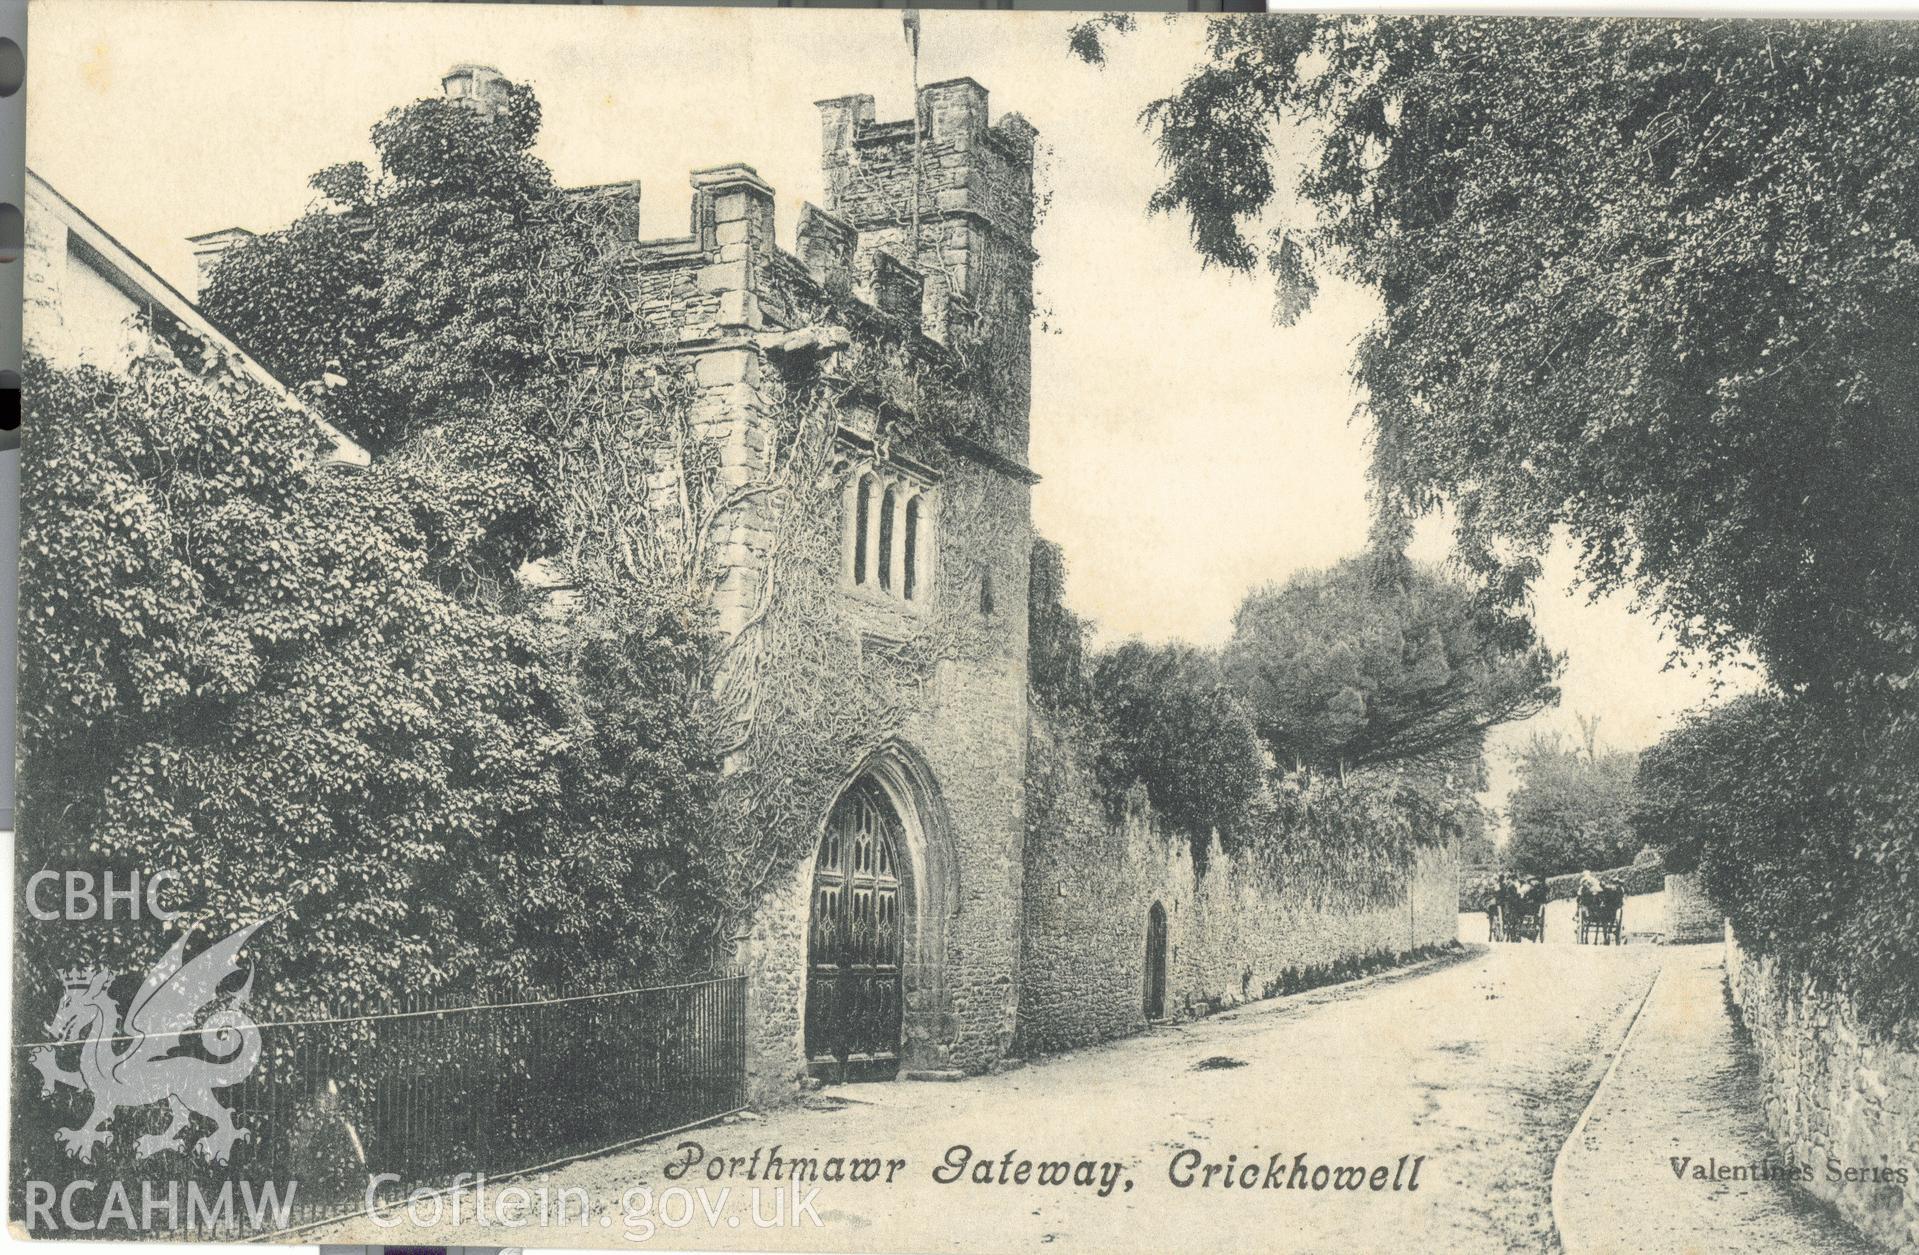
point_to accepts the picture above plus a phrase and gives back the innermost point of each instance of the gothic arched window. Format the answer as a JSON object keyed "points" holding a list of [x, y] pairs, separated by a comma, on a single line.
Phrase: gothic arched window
{"points": [[862, 520], [889, 535]]}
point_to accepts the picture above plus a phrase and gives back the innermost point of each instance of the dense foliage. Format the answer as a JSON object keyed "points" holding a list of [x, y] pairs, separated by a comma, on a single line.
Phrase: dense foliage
{"points": [[1158, 719], [1645, 284], [1056, 638], [1789, 810], [420, 286], [1476, 845], [1361, 834], [439, 299], [1573, 808], [236, 669], [447, 782], [1648, 281], [1168, 720], [1173, 723], [1377, 662]]}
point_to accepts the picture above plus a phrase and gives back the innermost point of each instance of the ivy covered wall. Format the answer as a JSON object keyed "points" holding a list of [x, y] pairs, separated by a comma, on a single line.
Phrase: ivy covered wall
{"points": [[1245, 927]]}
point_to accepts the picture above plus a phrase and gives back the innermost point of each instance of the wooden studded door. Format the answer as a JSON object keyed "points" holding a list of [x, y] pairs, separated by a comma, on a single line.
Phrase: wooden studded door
{"points": [[855, 943]]}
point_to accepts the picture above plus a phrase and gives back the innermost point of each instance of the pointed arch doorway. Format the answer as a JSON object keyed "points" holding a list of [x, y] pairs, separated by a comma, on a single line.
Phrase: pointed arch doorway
{"points": [[882, 893], [856, 941]]}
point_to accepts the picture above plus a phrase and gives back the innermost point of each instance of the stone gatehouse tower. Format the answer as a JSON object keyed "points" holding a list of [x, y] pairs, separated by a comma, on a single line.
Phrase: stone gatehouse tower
{"points": [[892, 948], [925, 841]]}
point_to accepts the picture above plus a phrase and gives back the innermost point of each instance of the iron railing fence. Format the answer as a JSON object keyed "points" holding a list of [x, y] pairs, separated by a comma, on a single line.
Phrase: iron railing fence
{"points": [[412, 1096]]}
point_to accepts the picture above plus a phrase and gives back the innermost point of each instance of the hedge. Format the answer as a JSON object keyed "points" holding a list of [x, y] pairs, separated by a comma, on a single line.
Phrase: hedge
{"points": [[1803, 819]]}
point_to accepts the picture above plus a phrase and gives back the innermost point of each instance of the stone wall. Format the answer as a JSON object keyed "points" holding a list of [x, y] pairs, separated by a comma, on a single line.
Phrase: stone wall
{"points": [[1837, 1096], [1691, 915], [1231, 937], [954, 736], [926, 695]]}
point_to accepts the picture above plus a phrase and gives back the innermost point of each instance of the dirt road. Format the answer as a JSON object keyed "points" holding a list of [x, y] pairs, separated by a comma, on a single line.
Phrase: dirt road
{"points": [[1417, 1112]]}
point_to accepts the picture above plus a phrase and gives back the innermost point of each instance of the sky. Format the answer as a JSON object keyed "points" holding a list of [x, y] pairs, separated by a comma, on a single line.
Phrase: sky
{"points": [[1190, 449]]}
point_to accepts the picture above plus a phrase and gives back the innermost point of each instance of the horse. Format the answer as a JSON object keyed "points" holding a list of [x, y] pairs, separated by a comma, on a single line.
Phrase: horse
{"points": [[1496, 901], [1601, 906], [1516, 910], [1526, 914]]}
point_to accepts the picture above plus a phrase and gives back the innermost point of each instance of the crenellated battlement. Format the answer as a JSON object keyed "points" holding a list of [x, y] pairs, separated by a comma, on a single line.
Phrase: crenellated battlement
{"points": [[969, 166], [928, 222], [949, 191]]}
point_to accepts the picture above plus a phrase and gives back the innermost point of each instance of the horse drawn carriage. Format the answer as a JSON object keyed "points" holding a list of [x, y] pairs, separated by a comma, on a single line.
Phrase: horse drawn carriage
{"points": [[1517, 910], [1601, 913]]}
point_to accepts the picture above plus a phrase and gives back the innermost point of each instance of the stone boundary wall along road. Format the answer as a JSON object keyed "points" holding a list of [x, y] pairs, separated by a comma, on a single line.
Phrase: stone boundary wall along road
{"points": [[1837, 1096], [1231, 935]]}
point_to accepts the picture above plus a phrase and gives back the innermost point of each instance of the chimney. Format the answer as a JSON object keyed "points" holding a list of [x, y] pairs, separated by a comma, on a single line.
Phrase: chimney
{"points": [[208, 249], [478, 87]]}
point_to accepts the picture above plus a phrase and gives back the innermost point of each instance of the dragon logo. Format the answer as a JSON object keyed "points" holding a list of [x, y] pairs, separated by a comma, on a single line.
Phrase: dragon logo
{"points": [[176, 995]]}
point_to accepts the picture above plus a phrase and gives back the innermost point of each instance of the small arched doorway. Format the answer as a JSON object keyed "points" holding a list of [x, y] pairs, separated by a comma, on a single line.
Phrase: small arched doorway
{"points": [[855, 940], [1156, 963]]}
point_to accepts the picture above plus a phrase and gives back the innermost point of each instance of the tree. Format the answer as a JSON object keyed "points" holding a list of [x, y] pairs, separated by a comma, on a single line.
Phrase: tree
{"points": [[233, 670], [1378, 661], [1169, 722], [1573, 808], [1056, 638], [1646, 281], [1477, 849], [422, 285], [228, 675], [441, 296]]}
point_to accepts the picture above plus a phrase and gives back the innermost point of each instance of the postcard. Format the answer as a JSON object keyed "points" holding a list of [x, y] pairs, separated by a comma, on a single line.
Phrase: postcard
{"points": [[919, 631]]}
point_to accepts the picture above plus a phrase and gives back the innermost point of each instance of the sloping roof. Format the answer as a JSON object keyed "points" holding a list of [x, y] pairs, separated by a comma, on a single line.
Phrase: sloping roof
{"points": [[130, 272]]}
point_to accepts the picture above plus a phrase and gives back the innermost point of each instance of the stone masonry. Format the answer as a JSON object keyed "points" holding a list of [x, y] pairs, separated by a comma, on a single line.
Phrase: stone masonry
{"points": [[1837, 1096], [735, 302], [973, 207], [1231, 936]]}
